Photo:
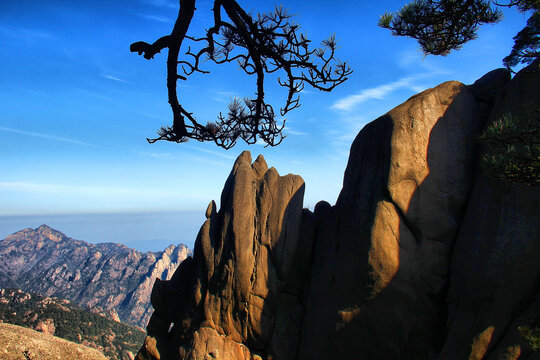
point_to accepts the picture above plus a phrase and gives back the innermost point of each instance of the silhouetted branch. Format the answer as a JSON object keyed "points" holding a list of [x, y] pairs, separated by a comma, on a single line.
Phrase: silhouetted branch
{"points": [[265, 44]]}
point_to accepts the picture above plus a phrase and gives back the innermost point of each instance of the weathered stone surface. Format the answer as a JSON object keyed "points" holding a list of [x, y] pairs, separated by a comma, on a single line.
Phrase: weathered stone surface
{"points": [[149, 350], [383, 254], [107, 278], [248, 251], [495, 267], [209, 344], [242, 263]]}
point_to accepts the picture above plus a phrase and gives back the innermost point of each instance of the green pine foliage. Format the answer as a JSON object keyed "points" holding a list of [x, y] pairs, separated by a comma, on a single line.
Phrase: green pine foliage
{"points": [[526, 44], [441, 26], [532, 335], [71, 322], [512, 151]]}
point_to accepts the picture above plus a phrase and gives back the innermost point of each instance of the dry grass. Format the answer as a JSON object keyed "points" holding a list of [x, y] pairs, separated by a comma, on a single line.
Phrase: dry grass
{"points": [[19, 343]]}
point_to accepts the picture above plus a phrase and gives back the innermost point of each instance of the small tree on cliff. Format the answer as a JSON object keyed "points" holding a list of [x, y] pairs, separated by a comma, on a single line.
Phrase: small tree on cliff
{"points": [[260, 44], [512, 150], [445, 25]]}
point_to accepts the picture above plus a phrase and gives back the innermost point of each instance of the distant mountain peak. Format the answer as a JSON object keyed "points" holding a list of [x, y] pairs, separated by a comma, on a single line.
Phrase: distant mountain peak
{"points": [[109, 275], [50, 233], [44, 227]]}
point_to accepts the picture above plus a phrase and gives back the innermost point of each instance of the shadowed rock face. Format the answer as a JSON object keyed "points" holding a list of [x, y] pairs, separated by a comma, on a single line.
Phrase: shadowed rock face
{"points": [[495, 279], [383, 279], [368, 278]]}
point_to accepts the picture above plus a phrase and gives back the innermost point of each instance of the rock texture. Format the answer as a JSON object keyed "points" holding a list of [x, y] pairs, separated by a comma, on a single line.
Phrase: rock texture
{"points": [[420, 257], [109, 277]]}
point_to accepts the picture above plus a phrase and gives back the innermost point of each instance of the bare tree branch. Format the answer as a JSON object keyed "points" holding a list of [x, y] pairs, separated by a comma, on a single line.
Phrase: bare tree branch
{"points": [[263, 44]]}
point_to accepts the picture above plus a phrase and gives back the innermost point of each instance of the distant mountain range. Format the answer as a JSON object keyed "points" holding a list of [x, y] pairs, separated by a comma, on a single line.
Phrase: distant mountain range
{"points": [[107, 277]]}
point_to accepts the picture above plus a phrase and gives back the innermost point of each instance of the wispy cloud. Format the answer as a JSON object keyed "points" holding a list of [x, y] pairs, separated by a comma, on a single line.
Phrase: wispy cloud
{"points": [[162, 3], [46, 136], [25, 34], [89, 191], [415, 59], [410, 57], [214, 153], [213, 159], [378, 92], [155, 18], [114, 78], [207, 160], [155, 155], [224, 96], [290, 131]]}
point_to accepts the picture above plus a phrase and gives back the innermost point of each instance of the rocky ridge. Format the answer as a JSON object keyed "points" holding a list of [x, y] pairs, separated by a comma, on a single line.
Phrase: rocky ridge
{"points": [[107, 278], [421, 257]]}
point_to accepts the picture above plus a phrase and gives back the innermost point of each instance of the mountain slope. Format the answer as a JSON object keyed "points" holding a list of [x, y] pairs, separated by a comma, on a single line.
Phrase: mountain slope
{"points": [[107, 276], [21, 343], [63, 319]]}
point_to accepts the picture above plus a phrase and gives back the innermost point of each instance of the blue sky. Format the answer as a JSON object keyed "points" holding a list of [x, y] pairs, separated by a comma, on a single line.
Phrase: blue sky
{"points": [[77, 105]]}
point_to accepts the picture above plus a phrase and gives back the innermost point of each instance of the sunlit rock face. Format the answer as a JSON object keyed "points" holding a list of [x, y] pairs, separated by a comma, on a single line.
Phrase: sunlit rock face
{"points": [[108, 278], [248, 248], [369, 277], [243, 257], [382, 261]]}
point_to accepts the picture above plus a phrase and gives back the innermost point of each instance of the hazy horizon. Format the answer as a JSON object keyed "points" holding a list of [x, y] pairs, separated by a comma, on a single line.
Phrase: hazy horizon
{"points": [[143, 231]]}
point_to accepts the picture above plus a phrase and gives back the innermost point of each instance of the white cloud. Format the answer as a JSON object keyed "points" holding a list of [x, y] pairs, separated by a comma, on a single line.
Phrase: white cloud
{"points": [[290, 131], [162, 3], [90, 191], [114, 78], [411, 57], [155, 155], [225, 96], [25, 33], [45, 136], [155, 18], [377, 93], [214, 153]]}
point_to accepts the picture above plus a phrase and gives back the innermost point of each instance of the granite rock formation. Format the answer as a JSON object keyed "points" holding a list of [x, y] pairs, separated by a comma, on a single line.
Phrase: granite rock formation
{"points": [[421, 257], [107, 278]]}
